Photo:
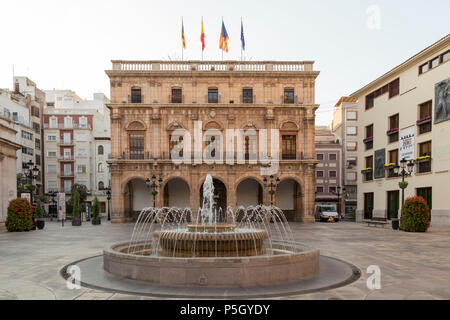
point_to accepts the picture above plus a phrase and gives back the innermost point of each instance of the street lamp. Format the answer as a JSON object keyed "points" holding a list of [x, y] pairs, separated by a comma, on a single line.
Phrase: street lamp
{"points": [[339, 194], [154, 186], [407, 170], [108, 197], [272, 185], [31, 175]]}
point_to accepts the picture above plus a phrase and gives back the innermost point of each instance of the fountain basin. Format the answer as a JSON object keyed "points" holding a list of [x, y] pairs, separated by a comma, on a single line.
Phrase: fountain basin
{"points": [[278, 267]]}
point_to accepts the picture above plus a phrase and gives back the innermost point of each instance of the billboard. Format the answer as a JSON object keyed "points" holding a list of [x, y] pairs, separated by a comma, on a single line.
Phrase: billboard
{"points": [[407, 143]]}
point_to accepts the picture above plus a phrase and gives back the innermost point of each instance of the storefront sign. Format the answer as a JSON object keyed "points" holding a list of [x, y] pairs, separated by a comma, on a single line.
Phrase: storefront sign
{"points": [[407, 144]]}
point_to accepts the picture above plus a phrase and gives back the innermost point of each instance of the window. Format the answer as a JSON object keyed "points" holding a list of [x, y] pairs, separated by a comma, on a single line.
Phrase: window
{"points": [[136, 96], [52, 185], [351, 161], [393, 156], [136, 142], [319, 189], [332, 174], [51, 153], [213, 95], [67, 154], [27, 135], [51, 137], [177, 96], [369, 137], [332, 189], [425, 164], [320, 156], [319, 174], [351, 176], [100, 167], [36, 127], [83, 122], [368, 176], [352, 146], [102, 205], [426, 193], [288, 96], [333, 156], [37, 143], [67, 185], [394, 88], [288, 147], [369, 131], [351, 131], [101, 185], [250, 146], [433, 63], [35, 111], [352, 115], [81, 168], [68, 122], [53, 122], [100, 150], [38, 159], [393, 204], [393, 128], [68, 170], [368, 205], [173, 144], [26, 150], [51, 168], [247, 95], [425, 117]]}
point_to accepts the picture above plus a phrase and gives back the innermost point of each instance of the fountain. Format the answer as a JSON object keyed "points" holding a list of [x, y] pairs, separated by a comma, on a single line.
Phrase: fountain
{"points": [[250, 246]]}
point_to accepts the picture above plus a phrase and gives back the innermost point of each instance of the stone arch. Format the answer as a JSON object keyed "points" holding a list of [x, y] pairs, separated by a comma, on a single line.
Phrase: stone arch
{"points": [[136, 197], [136, 125], [220, 192], [176, 192], [249, 191], [213, 124], [249, 125], [174, 125], [289, 125], [289, 197]]}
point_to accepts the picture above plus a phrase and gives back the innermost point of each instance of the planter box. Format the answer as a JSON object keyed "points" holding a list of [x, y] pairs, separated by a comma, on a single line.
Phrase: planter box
{"points": [[40, 224], [76, 222], [96, 222]]}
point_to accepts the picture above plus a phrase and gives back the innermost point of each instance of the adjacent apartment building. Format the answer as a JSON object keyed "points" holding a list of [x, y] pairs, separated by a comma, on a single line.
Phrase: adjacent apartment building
{"points": [[405, 114], [329, 169], [77, 144], [150, 100], [345, 127]]}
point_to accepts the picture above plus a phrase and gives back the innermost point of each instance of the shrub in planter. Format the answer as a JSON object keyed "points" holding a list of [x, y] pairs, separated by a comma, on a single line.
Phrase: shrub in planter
{"points": [[39, 213], [76, 221], [415, 215], [20, 216], [95, 212]]}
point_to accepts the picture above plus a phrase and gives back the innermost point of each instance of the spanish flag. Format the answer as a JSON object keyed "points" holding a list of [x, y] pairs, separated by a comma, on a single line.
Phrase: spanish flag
{"points": [[202, 37], [182, 34], [223, 38]]}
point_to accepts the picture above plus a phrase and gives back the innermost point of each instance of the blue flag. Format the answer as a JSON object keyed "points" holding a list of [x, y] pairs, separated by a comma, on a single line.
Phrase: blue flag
{"points": [[242, 36]]}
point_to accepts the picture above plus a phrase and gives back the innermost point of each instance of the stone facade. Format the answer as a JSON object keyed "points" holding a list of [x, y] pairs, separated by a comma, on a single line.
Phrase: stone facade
{"points": [[8, 157], [152, 99]]}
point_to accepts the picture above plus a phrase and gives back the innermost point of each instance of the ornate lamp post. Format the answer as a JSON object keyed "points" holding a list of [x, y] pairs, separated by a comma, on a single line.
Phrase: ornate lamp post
{"points": [[31, 175], [272, 186], [407, 168], [154, 186], [108, 197]]}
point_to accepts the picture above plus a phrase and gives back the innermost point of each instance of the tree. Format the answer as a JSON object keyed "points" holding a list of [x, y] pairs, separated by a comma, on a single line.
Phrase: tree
{"points": [[38, 211], [76, 205], [95, 209], [82, 191]]}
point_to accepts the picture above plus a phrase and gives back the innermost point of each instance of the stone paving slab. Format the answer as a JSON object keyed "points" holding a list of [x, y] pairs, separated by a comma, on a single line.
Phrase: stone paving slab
{"points": [[413, 265]]}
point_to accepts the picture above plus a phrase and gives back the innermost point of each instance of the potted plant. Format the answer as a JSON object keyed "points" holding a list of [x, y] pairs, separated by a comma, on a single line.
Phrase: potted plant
{"points": [[95, 213], [19, 216], [76, 220], [39, 213], [403, 185]]}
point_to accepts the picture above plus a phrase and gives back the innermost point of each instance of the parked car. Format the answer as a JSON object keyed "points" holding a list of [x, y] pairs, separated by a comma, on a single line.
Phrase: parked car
{"points": [[325, 211]]}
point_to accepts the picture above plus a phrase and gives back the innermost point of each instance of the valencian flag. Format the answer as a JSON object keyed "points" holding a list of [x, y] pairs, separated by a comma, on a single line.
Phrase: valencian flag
{"points": [[182, 34], [202, 37], [223, 38]]}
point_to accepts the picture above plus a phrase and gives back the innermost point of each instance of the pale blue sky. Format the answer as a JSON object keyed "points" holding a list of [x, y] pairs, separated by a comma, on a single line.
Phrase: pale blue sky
{"points": [[68, 44]]}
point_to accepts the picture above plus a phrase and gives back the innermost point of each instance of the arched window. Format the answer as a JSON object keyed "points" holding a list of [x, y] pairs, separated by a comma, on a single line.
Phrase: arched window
{"points": [[100, 150], [100, 167], [101, 185]]}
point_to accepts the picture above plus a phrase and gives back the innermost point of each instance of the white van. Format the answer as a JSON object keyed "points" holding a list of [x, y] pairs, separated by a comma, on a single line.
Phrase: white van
{"points": [[325, 211]]}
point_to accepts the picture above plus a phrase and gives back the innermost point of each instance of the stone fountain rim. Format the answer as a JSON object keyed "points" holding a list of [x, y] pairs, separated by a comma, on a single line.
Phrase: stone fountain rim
{"points": [[110, 250]]}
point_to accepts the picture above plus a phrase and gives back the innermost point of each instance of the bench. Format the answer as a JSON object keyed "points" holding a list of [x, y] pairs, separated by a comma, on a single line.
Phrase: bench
{"points": [[376, 222]]}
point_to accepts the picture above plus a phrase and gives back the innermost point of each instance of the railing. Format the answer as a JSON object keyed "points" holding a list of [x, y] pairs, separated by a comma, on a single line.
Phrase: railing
{"points": [[238, 66], [66, 158], [63, 126]]}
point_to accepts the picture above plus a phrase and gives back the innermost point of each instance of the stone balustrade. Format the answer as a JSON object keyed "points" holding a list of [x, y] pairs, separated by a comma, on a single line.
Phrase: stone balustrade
{"points": [[238, 66]]}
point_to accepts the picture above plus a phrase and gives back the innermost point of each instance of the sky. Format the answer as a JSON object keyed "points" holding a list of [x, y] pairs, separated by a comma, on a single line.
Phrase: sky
{"points": [[65, 44]]}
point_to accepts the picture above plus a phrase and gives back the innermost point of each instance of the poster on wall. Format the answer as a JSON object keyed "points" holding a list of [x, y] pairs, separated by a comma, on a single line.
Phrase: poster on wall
{"points": [[61, 200], [26, 196], [380, 157], [407, 144], [442, 101]]}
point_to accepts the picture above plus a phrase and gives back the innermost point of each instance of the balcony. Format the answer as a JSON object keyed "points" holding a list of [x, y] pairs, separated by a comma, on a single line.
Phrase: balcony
{"points": [[423, 164], [369, 143], [66, 143], [367, 174], [424, 124], [67, 126], [66, 175], [393, 135], [66, 158]]}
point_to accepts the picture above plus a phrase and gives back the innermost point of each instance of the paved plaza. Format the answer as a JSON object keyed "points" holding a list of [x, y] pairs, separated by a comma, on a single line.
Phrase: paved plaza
{"points": [[413, 265]]}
